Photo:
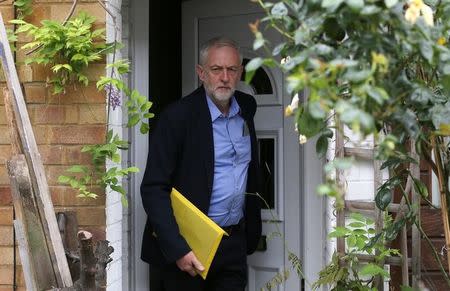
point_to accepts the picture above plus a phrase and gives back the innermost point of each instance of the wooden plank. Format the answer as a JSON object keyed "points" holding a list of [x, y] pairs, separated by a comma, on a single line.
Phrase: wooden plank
{"points": [[404, 257], [16, 144], [379, 216], [356, 206], [41, 267], [362, 153], [25, 256], [34, 161], [415, 233], [340, 180]]}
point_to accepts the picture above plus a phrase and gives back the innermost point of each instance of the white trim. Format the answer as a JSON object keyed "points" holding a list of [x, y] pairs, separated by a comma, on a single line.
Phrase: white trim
{"points": [[139, 50], [113, 204]]}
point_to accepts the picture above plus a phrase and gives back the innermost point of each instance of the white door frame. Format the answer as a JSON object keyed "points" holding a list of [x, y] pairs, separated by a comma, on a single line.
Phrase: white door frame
{"points": [[139, 51], [312, 240], [311, 244]]}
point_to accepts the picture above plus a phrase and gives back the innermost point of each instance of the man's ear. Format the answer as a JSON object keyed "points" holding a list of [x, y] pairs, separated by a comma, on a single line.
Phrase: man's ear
{"points": [[200, 72]]}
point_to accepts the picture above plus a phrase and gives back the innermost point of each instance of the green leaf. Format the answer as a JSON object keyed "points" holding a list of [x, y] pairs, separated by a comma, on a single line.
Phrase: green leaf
{"points": [[339, 231], [357, 76], [133, 119], [254, 64], [373, 270], [426, 50], [355, 5], [421, 95], [77, 169], [370, 10], [378, 94], [420, 188], [279, 10], [331, 5], [321, 146], [144, 128], [390, 3], [63, 179], [383, 198]]}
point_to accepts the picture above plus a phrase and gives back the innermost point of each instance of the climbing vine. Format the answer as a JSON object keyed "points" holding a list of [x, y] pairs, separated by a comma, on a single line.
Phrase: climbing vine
{"points": [[68, 49]]}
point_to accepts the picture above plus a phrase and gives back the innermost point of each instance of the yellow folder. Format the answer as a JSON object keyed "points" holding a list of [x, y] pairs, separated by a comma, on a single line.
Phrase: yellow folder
{"points": [[201, 233]]}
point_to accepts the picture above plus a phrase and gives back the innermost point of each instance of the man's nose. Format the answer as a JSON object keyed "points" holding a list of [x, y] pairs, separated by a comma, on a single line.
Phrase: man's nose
{"points": [[225, 75]]}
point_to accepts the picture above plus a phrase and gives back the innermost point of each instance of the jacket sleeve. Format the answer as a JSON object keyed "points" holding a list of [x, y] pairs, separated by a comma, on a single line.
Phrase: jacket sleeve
{"points": [[164, 150]]}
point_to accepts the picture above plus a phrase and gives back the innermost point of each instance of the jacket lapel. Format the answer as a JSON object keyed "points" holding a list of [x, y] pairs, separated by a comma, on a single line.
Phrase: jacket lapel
{"points": [[205, 133]]}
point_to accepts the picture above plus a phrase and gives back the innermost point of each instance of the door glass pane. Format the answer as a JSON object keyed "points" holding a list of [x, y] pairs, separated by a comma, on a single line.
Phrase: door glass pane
{"points": [[267, 162], [260, 82]]}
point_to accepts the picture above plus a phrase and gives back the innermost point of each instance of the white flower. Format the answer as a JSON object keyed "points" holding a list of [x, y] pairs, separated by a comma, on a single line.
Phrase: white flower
{"points": [[302, 139], [285, 60], [292, 107], [296, 127], [416, 9]]}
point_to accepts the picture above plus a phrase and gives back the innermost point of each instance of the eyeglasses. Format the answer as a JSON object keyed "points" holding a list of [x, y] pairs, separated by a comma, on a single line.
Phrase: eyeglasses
{"points": [[232, 71]]}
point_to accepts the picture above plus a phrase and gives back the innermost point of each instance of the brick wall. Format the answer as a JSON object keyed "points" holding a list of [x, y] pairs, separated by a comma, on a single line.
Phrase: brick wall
{"points": [[62, 124]]}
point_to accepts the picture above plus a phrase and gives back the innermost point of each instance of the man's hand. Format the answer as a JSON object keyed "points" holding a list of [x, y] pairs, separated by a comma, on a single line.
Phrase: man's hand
{"points": [[190, 264]]}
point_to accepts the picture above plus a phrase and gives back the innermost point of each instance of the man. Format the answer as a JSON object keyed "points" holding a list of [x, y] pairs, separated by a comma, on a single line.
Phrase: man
{"points": [[205, 146]]}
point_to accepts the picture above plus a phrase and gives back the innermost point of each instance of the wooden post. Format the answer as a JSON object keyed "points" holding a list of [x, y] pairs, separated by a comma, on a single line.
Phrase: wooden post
{"points": [[415, 233], [33, 244], [102, 252], [87, 261], [35, 166]]}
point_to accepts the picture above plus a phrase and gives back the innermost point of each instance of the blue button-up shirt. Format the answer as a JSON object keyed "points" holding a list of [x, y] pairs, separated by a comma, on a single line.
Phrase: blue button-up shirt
{"points": [[232, 155]]}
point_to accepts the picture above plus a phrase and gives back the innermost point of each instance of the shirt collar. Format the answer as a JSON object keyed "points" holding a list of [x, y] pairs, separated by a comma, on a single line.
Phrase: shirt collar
{"points": [[215, 112]]}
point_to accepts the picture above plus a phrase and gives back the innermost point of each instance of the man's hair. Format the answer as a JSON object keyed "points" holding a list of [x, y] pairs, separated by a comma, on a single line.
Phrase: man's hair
{"points": [[218, 42]]}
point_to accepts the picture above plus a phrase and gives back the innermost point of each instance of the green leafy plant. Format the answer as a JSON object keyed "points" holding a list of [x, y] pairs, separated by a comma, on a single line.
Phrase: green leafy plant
{"points": [[380, 68], [68, 49], [346, 272], [24, 7], [84, 180]]}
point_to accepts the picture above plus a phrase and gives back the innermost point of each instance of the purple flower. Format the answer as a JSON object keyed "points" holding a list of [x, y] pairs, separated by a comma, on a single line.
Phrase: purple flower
{"points": [[113, 95]]}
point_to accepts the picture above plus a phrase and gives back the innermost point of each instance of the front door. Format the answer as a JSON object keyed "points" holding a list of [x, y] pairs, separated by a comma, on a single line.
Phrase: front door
{"points": [[278, 143]]}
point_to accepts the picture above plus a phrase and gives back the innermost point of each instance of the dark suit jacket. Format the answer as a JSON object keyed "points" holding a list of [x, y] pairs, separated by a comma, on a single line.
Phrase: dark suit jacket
{"points": [[181, 155]]}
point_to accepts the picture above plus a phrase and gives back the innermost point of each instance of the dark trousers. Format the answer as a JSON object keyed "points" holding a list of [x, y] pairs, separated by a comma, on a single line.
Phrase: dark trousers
{"points": [[228, 270]]}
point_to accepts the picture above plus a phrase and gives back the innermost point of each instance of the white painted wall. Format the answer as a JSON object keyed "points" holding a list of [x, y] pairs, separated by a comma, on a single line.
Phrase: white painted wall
{"points": [[113, 205]]}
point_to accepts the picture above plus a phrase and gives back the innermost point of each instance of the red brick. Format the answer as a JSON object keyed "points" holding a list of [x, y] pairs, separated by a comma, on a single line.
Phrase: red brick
{"points": [[2, 115], [47, 114], [7, 255], [4, 135], [7, 13], [77, 134], [35, 92], [72, 113], [92, 114], [96, 71], [6, 215], [87, 215], [73, 155], [6, 237], [5, 196], [80, 94], [59, 12], [25, 73], [5, 153], [53, 172], [40, 12], [4, 179], [6, 275], [66, 196], [41, 134], [2, 98], [40, 72], [51, 155]]}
